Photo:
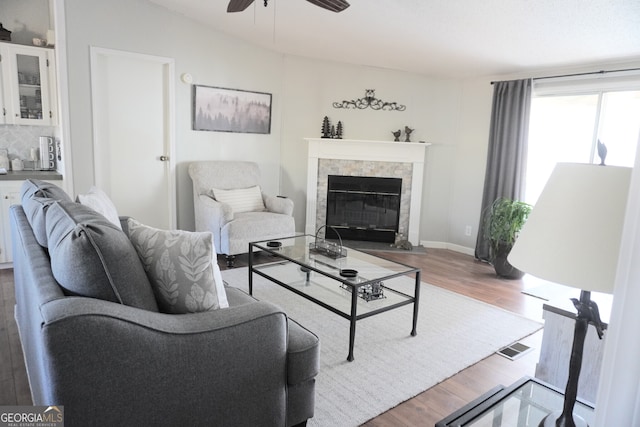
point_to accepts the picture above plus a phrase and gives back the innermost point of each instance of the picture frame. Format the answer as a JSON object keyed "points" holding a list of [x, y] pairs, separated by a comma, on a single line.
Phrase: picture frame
{"points": [[221, 109]]}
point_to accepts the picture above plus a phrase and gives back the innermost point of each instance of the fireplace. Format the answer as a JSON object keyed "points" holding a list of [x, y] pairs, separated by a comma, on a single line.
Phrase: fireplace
{"points": [[363, 207], [350, 157]]}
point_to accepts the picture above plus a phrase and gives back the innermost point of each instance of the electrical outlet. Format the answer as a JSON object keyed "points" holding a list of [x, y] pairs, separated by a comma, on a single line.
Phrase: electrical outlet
{"points": [[467, 230]]}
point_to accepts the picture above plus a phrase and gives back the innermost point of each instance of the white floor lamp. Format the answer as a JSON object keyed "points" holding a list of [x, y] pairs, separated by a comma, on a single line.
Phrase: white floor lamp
{"points": [[572, 237]]}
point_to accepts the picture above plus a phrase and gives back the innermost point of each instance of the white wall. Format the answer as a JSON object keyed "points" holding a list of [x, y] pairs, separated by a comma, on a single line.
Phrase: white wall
{"points": [[452, 114], [26, 19], [432, 109], [303, 92], [213, 59]]}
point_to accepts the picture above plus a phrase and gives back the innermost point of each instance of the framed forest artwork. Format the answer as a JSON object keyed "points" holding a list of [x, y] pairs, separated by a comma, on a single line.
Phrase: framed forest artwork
{"points": [[231, 110]]}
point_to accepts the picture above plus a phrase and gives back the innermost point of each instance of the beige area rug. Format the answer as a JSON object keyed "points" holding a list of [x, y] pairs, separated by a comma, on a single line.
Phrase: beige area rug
{"points": [[390, 366]]}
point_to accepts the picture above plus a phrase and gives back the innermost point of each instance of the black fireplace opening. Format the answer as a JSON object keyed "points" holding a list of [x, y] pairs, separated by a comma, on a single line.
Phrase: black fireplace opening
{"points": [[363, 208]]}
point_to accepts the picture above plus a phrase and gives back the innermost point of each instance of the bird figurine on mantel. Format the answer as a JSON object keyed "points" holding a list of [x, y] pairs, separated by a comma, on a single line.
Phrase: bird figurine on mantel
{"points": [[602, 152]]}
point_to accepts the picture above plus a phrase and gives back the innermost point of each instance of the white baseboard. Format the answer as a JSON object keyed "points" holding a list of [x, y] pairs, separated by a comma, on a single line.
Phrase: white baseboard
{"points": [[450, 246]]}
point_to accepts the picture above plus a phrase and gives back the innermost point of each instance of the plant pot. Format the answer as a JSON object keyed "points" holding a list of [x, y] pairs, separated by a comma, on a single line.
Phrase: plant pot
{"points": [[501, 265]]}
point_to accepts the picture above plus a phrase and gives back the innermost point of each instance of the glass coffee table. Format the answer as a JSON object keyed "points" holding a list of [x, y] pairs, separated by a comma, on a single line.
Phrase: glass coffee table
{"points": [[524, 403], [354, 285]]}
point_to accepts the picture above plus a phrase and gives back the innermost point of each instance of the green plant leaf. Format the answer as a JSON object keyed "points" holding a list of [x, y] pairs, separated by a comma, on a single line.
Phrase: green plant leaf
{"points": [[505, 220]]}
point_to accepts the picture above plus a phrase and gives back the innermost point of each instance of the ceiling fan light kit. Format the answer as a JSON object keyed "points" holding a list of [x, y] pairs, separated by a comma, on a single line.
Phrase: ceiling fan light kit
{"points": [[332, 5]]}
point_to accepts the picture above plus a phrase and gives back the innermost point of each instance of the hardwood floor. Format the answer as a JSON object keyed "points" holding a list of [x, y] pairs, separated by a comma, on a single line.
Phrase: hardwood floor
{"points": [[462, 274], [450, 270], [14, 386]]}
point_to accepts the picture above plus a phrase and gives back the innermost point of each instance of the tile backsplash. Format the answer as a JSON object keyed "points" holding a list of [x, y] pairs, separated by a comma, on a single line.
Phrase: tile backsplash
{"points": [[19, 140]]}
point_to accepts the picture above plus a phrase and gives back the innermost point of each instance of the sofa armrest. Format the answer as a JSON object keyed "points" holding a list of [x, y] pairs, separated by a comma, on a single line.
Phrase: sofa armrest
{"points": [[303, 360], [211, 215], [277, 204], [223, 367], [215, 213]]}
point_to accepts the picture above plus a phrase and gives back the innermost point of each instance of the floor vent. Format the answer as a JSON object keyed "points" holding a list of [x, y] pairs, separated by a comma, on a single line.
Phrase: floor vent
{"points": [[514, 351]]}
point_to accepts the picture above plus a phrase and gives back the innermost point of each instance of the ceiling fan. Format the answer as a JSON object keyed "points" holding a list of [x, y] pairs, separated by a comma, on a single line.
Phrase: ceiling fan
{"points": [[332, 5]]}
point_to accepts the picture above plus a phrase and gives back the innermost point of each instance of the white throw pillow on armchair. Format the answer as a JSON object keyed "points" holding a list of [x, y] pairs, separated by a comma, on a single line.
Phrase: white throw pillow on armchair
{"points": [[241, 199]]}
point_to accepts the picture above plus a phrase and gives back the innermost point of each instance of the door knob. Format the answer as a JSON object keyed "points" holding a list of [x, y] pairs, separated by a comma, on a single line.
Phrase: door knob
{"points": [[164, 158]]}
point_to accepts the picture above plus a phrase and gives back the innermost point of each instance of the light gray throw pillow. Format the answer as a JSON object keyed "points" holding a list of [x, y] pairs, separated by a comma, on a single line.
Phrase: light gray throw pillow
{"points": [[92, 257], [182, 268], [36, 196]]}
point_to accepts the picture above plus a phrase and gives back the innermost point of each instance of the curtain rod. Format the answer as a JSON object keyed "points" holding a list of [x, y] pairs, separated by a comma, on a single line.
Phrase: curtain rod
{"points": [[582, 74]]}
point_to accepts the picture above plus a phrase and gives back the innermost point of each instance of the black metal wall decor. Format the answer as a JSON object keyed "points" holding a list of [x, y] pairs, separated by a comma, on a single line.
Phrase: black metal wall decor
{"points": [[370, 101]]}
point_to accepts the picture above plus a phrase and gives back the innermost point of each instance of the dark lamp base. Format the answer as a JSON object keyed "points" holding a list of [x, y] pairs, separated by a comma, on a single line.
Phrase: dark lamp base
{"points": [[553, 420]]}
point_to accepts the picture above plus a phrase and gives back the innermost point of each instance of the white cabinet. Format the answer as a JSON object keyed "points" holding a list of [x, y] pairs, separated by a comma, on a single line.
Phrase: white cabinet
{"points": [[10, 195], [28, 85]]}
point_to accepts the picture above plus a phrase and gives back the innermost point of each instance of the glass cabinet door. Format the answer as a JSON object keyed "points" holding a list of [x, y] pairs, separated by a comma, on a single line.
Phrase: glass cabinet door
{"points": [[26, 74], [29, 86]]}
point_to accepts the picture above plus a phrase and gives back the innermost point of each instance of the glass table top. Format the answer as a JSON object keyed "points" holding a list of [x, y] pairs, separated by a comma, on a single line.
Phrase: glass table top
{"points": [[525, 404], [319, 276]]}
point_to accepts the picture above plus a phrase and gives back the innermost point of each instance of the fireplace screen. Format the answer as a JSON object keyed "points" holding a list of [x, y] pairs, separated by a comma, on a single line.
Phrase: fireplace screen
{"points": [[363, 208]]}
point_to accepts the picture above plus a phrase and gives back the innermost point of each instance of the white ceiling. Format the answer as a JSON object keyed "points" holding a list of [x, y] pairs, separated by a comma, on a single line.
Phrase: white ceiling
{"points": [[440, 38]]}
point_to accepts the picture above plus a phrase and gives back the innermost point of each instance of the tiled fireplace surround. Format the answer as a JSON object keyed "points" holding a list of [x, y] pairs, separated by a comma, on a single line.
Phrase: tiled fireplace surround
{"points": [[366, 158]]}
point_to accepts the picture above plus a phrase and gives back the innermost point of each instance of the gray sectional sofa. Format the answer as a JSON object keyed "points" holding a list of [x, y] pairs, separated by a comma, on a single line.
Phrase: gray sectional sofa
{"points": [[112, 358]]}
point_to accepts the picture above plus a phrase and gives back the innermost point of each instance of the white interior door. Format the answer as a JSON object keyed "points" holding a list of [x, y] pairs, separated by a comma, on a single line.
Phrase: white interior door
{"points": [[132, 99]]}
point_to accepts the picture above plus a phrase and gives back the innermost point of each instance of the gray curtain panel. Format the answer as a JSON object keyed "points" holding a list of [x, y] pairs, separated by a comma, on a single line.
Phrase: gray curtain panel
{"points": [[507, 155]]}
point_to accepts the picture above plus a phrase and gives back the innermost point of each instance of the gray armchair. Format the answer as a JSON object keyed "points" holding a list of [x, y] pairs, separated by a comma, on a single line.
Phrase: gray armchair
{"points": [[232, 229]]}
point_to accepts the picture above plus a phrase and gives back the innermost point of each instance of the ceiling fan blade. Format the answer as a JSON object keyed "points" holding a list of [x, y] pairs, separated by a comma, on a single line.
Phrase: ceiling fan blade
{"points": [[238, 5], [332, 5]]}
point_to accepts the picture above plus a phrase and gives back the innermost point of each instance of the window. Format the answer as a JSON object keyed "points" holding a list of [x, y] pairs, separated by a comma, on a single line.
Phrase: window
{"points": [[569, 117]]}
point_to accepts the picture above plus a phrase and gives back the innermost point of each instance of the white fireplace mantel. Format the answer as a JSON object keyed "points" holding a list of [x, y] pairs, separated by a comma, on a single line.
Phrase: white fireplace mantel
{"points": [[362, 150]]}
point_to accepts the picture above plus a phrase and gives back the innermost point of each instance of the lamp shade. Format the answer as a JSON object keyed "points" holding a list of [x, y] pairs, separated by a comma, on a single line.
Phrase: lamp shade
{"points": [[573, 234]]}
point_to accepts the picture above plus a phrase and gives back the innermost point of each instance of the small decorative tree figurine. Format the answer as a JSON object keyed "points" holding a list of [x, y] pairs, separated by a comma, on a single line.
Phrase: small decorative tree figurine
{"points": [[339, 130], [326, 128]]}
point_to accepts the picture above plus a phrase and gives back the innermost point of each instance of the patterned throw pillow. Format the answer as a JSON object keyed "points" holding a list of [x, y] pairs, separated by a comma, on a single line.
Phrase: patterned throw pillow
{"points": [[182, 268], [241, 199]]}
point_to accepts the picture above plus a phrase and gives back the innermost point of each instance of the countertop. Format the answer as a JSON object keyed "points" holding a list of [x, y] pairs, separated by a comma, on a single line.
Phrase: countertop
{"points": [[22, 175]]}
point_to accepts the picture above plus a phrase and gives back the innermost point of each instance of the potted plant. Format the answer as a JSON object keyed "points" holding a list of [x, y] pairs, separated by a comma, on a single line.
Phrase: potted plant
{"points": [[503, 223]]}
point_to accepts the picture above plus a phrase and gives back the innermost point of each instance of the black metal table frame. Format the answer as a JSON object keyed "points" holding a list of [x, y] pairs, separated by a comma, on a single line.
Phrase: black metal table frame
{"points": [[353, 317]]}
